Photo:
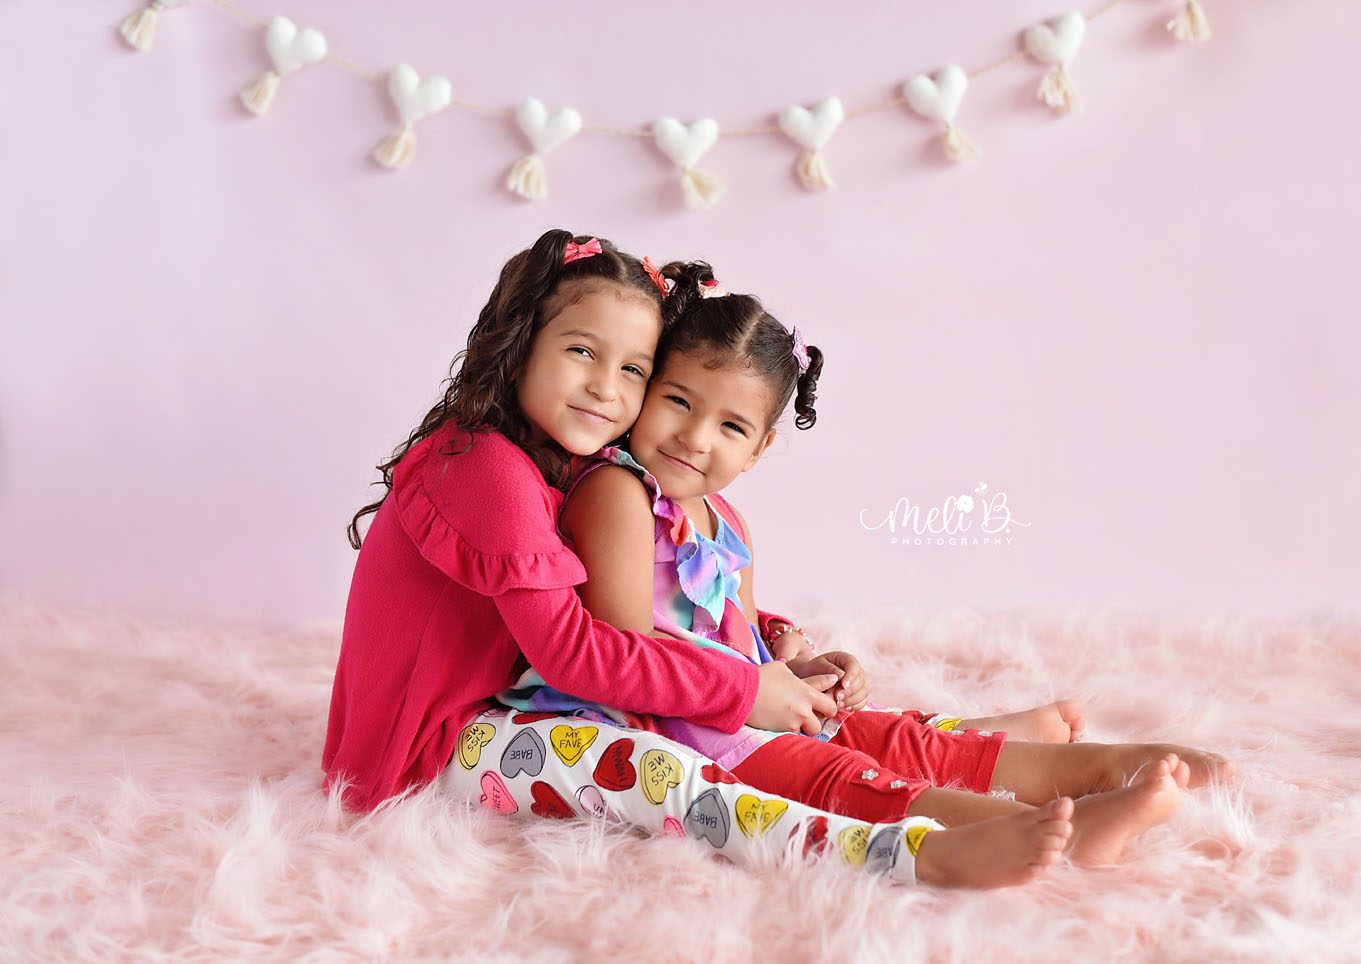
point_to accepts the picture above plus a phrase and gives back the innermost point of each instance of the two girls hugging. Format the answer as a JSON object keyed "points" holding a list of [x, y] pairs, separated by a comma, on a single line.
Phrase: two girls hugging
{"points": [[553, 611]]}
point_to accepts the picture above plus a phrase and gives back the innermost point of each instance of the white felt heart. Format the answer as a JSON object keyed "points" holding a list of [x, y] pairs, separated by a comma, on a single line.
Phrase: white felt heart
{"points": [[290, 48], [813, 129], [1059, 44], [685, 145], [416, 98], [938, 99], [543, 130]]}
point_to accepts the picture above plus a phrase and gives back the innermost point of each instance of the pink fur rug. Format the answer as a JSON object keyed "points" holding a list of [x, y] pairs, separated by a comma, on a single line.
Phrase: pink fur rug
{"points": [[160, 801]]}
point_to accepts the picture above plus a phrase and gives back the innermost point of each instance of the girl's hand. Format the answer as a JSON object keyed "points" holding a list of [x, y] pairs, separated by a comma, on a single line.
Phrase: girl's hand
{"points": [[791, 645], [817, 666], [785, 703], [854, 691]]}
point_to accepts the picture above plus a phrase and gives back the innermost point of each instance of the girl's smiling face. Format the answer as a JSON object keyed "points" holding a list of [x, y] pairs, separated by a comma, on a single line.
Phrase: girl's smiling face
{"points": [[587, 371], [700, 428]]}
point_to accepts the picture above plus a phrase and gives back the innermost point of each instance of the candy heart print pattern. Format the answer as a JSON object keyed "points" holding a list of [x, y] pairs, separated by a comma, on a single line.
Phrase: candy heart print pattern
{"points": [[560, 767]]}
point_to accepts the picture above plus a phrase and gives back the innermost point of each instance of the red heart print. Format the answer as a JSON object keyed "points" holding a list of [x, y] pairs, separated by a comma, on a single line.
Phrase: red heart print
{"points": [[815, 835], [533, 717], [716, 774], [614, 771], [549, 803]]}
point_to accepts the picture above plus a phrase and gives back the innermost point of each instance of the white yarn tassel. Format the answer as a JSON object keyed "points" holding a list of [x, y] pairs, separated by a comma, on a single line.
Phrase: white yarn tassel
{"points": [[397, 151], [1057, 90], [701, 188], [139, 29], [813, 172], [529, 178], [259, 95], [958, 147], [1190, 25]]}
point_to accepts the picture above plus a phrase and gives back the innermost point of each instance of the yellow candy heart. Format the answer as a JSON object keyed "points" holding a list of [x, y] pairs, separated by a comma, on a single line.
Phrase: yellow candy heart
{"points": [[661, 772], [755, 816], [950, 724], [569, 742], [914, 838], [471, 741], [854, 842]]}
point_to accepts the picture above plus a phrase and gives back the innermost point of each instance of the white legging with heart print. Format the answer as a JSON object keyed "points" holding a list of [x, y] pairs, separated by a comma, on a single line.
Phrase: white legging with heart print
{"points": [[566, 766]]}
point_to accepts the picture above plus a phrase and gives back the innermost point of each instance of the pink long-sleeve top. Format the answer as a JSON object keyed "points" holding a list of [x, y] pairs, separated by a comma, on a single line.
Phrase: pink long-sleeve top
{"points": [[463, 581]]}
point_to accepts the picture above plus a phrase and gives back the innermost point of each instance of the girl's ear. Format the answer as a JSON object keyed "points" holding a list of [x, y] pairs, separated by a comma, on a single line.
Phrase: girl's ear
{"points": [[760, 450]]}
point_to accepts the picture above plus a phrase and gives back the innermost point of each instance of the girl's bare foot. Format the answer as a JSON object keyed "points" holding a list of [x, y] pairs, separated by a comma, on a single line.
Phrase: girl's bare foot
{"points": [[1196, 767], [1104, 822], [1061, 722], [1001, 852]]}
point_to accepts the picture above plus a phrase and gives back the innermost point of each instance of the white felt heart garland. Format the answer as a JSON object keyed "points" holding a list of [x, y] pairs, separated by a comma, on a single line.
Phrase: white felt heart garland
{"points": [[686, 145], [289, 49], [545, 132], [811, 130], [414, 98], [1057, 44], [1190, 24], [939, 98], [1054, 44]]}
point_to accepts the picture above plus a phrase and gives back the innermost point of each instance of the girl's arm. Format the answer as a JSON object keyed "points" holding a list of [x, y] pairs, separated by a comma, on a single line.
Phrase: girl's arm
{"points": [[591, 659], [790, 645], [608, 522]]}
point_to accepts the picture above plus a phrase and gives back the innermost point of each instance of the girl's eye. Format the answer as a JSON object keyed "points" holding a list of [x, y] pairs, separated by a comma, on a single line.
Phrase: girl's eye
{"points": [[635, 370], [735, 427], [678, 400], [584, 351]]}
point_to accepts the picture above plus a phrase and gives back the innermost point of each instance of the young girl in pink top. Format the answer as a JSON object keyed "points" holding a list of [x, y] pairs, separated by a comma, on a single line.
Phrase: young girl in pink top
{"points": [[463, 580], [673, 555]]}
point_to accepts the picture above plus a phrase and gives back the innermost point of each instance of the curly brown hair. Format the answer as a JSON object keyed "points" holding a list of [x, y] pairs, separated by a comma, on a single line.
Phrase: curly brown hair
{"points": [[480, 393], [737, 329]]}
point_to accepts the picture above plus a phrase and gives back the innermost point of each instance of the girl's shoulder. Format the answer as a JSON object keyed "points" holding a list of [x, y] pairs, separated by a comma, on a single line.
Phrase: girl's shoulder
{"points": [[479, 510], [614, 468], [609, 488]]}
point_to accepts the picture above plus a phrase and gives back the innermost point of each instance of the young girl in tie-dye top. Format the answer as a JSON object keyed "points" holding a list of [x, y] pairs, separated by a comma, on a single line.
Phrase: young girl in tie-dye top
{"points": [[673, 555]]}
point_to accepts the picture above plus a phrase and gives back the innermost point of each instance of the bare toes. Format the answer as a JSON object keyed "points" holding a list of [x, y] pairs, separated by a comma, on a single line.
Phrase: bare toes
{"points": [[1160, 770]]}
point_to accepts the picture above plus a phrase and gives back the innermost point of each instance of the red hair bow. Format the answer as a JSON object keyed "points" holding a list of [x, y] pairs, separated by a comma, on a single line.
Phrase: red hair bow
{"points": [[656, 276], [575, 252]]}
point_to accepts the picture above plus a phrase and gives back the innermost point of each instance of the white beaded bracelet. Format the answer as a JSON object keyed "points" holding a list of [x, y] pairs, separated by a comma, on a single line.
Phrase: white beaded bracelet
{"points": [[788, 627]]}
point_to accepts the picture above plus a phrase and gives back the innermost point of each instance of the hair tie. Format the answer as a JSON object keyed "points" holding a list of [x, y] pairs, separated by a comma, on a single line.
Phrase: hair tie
{"points": [[576, 252], [712, 289], [656, 276], [800, 351]]}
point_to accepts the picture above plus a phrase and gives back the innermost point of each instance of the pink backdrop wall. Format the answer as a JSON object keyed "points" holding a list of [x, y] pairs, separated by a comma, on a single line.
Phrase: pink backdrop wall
{"points": [[1138, 322]]}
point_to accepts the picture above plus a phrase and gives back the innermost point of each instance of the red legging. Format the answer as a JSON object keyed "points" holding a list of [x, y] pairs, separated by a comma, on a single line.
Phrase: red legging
{"points": [[874, 767]]}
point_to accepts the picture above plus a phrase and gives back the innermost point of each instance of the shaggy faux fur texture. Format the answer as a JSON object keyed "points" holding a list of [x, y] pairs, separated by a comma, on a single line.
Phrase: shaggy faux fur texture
{"points": [[160, 801]]}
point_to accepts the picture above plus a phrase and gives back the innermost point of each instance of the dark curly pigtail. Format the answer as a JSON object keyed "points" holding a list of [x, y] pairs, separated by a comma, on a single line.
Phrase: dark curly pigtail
{"points": [[808, 390], [480, 393]]}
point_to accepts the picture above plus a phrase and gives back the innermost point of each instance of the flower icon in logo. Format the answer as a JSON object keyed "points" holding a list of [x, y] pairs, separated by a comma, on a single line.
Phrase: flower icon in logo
{"points": [[965, 503], [981, 488]]}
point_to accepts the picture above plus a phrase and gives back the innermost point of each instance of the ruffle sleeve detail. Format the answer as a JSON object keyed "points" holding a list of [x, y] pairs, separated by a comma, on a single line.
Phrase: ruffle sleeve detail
{"points": [[484, 517]]}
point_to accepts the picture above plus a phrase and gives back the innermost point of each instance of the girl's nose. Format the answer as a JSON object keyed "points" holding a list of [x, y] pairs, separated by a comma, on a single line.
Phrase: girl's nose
{"points": [[603, 387], [695, 438]]}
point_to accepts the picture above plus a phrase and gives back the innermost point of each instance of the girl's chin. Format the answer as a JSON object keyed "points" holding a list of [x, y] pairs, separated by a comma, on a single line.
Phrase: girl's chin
{"points": [[581, 447]]}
